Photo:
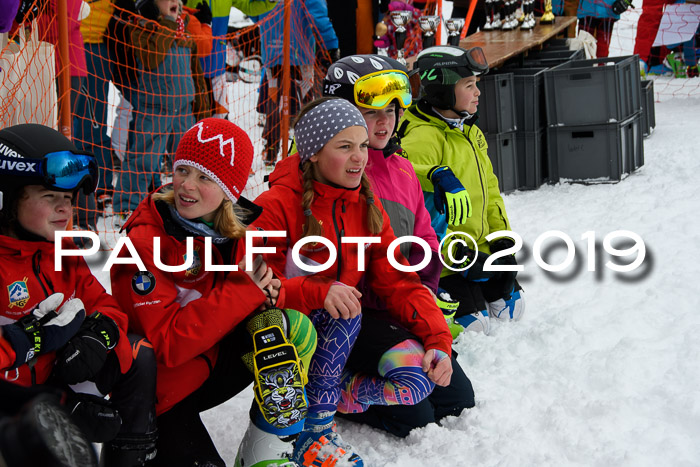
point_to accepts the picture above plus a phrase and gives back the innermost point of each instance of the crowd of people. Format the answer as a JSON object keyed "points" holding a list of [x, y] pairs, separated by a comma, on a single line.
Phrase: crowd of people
{"points": [[361, 340]]}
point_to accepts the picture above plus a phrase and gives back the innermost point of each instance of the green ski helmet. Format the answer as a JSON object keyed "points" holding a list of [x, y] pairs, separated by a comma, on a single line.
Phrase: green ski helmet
{"points": [[440, 68]]}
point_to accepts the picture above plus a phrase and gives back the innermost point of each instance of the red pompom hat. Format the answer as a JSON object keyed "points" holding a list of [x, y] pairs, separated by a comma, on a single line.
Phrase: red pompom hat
{"points": [[221, 150]]}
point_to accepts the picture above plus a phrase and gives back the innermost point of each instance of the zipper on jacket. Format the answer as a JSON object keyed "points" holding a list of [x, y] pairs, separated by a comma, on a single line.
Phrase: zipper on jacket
{"points": [[338, 235], [481, 181], [37, 272]]}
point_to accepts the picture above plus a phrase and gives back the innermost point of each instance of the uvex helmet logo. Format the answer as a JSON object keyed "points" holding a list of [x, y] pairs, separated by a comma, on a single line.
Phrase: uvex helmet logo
{"points": [[9, 152], [18, 166]]}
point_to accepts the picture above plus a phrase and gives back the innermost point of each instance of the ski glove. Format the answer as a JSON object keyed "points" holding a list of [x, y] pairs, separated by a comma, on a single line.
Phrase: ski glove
{"points": [[85, 354], [46, 328], [507, 277], [203, 13], [476, 272], [620, 6], [148, 9], [449, 195], [94, 415]]}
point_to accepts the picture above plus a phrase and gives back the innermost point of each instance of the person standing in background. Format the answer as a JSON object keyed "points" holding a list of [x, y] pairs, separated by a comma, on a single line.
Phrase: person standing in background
{"points": [[215, 64], [305, 17]]}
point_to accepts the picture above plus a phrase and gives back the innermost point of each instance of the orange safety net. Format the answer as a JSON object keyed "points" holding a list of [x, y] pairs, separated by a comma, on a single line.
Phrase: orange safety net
{"points": [[139, 85]]}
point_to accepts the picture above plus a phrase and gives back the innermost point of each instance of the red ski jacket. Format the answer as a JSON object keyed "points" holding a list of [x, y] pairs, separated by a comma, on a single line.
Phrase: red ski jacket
{"points": [[184, 314], [28, 277], [342, 213]]}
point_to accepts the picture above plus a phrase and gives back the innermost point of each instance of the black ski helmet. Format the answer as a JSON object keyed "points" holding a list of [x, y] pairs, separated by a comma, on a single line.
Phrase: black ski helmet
{"points": [[342, 75], [440, 67], [27, 146]]}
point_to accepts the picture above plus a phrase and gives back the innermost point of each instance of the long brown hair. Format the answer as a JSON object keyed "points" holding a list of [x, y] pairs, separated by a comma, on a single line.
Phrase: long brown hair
{"points": [[227, 220], [375, 220]]}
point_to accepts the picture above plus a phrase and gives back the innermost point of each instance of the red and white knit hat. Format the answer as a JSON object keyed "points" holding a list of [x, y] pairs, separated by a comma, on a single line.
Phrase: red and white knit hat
{"points": [[221, 150]]}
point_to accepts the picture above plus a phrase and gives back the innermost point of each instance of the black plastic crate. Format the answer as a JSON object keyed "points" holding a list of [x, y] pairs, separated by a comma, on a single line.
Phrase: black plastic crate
{"points": [[648, 112], [502, 153], [560, 54], [550, 59], [496, 103], [595, 153], [635, 136], [531, 150], [601, 90], [530, 108]]}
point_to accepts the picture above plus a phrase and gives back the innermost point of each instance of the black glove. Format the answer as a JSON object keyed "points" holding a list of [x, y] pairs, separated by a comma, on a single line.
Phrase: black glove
{"points": [[45, 329], [148, 9], [85, 354], [203, 13], [28, 10], [325, 59], [335, 55], [94, 416], [507, 277], [620, 6], [476, 272]]}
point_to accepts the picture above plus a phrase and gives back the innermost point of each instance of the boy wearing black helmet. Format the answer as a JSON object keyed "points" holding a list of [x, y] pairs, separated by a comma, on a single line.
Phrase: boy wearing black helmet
{"points": [[82, 340], [447, 149], [385, 354]]}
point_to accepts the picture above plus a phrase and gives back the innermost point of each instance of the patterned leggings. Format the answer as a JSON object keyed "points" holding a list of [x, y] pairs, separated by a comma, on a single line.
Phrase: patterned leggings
{"points": [[400, 381]]}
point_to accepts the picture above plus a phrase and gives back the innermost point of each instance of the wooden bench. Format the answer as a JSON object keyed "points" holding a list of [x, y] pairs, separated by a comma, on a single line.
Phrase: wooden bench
{"points": [[501, 46]]}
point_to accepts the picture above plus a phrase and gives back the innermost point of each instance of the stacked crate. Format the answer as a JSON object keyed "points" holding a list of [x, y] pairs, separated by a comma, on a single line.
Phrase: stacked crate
{"points": [[594, 117], [497, 121], [530, 112], [648, 112]]}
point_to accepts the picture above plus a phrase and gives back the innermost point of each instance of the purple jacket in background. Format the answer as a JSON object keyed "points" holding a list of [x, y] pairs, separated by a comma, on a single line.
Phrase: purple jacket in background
{"points": [[8, 11], [395, 183]]}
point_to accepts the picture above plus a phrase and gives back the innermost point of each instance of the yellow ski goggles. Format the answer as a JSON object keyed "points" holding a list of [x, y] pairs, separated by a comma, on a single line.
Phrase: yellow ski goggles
{"points": [[377, 90]]}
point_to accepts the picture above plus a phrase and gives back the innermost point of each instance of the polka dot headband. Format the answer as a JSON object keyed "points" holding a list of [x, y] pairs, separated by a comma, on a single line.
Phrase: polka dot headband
{"points": [[322, 123]]}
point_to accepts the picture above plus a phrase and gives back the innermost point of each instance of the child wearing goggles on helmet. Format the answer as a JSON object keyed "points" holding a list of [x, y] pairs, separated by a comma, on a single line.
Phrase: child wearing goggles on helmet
{"points": [[214, 331], [62, 328], [448, 151], [323, 191], [386, 353]]}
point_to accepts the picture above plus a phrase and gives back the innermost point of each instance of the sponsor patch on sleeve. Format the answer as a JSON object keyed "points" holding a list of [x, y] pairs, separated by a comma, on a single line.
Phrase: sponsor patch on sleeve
{"points": [[143, 282]]}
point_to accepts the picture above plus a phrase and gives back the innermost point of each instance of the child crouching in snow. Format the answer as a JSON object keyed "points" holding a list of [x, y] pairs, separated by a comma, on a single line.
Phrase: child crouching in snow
{"points": [[324, 191], [206, 325]]}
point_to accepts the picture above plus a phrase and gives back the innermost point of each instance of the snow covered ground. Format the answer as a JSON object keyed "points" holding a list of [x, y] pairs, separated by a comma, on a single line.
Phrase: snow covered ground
{"points": [[604, 367]]}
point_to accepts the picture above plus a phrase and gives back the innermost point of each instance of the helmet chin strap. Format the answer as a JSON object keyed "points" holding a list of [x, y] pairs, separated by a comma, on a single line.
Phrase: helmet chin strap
{"points": [[462, 113]]}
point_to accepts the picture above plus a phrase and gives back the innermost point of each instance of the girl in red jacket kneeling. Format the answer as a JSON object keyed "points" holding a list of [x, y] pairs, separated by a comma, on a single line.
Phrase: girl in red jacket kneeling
{"points": [[323, 192], [214, 329]]}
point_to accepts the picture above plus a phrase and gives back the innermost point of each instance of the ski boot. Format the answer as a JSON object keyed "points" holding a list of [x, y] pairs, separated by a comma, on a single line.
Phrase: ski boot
{"points": [[320, 445], [508, 308], [449, 308], [261, 449], [475, 322]]}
